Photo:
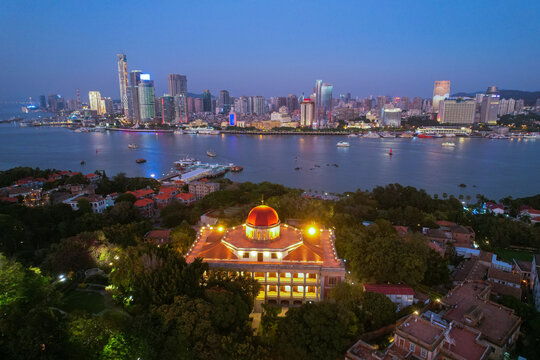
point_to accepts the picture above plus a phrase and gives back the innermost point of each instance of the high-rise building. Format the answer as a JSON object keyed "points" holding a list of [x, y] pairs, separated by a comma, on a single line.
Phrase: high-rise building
{"points": [[181, 108], [207, 101], [506, 106], [405, 103], [106, 105], [519, 105], [56, 103], [441, 91], [133, 96], [490, 106], [381, 101], [318, 99], [147, 104], [416, 103], [457, 111], [224, 101], [168, 111], [326, 103], [94, 98], [42, 101], [177, 84], [292, 103], [198, 107], [190, 105], [78, 104], [123, 81], [258, 105], [307, 113], [391, 117]]}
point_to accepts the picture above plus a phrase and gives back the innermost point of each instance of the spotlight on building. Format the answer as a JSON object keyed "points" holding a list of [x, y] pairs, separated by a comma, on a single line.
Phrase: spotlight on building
{"points": [[312, 231]]}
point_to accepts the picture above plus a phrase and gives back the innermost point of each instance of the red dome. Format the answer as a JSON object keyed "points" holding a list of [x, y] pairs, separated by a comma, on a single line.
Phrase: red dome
{"points": [[262, 215]]}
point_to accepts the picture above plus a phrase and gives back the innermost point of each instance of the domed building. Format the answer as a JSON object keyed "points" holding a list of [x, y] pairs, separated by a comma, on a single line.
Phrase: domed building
{"points": [[293, 266]]}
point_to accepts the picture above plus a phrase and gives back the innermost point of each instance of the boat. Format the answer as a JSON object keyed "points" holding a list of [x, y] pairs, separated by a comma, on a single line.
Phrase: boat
{"points": [[211, 153], [450, 144], [352, 135], [532, 136], [178, 132], [425, 136], [297, 168], [386, 134], [140, 161], [133, 146], [372, 135], [343, 144], [406, 135], [236, 168], [185, 162], [201, 130]]}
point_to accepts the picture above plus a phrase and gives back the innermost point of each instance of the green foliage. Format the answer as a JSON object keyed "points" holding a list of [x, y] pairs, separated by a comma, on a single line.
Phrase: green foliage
{"points": [[121, 183], [182, 237], [8, 177], [175, 213], [316, 331], [378, 310], [126, 197]]}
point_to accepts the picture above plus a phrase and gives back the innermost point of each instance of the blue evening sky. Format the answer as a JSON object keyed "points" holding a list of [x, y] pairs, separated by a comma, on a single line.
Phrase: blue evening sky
{"points": [[270, 48]]}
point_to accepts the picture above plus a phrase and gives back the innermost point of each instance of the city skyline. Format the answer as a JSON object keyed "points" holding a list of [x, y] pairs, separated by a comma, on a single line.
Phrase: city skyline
{"points": [[352, 50]]}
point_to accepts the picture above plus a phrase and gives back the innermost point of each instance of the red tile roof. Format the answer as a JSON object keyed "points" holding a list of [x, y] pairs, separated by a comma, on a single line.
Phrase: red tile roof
{"points": [[185, 196], [389, 289], [143, 202], [163, 197], [141, 193], [465, 343]]}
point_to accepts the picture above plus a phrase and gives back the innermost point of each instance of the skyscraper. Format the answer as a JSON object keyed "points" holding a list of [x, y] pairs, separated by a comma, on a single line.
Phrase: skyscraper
{"points": [[318, 99], [258, 105], [326, 103], [441, 91], [490, 106], [224, 101], [123, 81], [94, 99], [133, 96], [147, 105], [207, 101], [168, 112], [42, 102], [177, 84], [307, 112], [181, 108]]}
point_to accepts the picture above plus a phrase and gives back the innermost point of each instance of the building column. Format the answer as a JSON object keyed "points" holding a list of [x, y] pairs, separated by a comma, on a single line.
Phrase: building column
{"points": [[265, 286], [278, 274], [304, 287], [292, 286]]}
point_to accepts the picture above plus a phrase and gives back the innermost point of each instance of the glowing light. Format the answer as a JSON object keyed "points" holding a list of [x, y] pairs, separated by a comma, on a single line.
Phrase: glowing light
{"points": [[220, 229], [279, 255], [266, 254], [416, 312], [241, 253], [312, 231], [438, 300], [253, 253], [152, 175]]}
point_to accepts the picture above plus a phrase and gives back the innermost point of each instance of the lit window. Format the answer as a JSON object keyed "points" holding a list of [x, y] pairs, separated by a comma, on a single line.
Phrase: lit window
{"points": [[266, 254], [423, 353], [246, 255], [274, 256], [412, 346], [288, 275]]}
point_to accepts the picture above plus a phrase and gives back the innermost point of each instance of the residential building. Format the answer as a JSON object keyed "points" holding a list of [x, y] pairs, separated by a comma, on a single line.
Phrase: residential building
{"points": [[456, 111], [145, 206], [202, 188], [168, 109], [177, 85], [97, 202], [158, 237], [504, 282], [391, 117], [292, 266], [493, 208], [441, 91], [399, 294], [94, 98], [185, 198]]}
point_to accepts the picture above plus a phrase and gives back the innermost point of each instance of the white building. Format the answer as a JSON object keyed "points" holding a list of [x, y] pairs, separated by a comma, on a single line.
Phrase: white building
{"points": [[401, 295], [391, 117], [98, 203]]}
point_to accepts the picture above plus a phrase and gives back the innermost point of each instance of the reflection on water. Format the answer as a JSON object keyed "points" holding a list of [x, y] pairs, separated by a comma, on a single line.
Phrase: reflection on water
{"points": [[496, 167]]}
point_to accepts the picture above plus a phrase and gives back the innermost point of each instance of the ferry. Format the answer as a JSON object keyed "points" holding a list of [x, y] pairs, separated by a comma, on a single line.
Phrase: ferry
{"points": [[450, 144], [211, 153], [343, 144], [185, 162], [140, 161], [133, 146], [178, 132], [386, 134], [425, 136], [202, 131], [236, 168], [406, 135]]}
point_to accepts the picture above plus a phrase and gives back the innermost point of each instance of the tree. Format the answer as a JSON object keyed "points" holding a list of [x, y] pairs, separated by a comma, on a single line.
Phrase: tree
{"points": [[125, 197], [378, 310], [316, 331], [182, 237], [84, 206]]}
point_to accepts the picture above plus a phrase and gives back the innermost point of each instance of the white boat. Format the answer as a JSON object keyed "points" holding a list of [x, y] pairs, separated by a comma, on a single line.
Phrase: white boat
{"points": [[352, 135], [406, 135], [531, 136], [343, 144], [372, 135], [133, 146], [211, 153], [449, 144], [179, 132], [386, 134], [202, 130], [449, 135]]}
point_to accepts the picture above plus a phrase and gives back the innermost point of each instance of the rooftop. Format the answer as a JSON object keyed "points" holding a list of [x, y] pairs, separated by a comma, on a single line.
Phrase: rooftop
{"points": [[465, 343], [389, 289], [418, 329]]}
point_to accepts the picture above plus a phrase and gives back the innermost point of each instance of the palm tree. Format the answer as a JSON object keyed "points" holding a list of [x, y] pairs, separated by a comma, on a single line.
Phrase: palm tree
{"points": [[444, 195]]}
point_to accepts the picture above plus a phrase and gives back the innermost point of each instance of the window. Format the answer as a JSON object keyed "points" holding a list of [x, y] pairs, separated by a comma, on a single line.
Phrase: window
{"points": [[260, 257], [246, 255], [412, 346], [332, 281], [423, 353], [274, 256]]}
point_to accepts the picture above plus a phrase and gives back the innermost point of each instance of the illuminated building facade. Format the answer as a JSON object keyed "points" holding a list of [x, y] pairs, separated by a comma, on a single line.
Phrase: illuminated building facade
{"points": [[307, 113], [441, 91], [168, 113], [94, 99], [292, 266], [123, 81], [457, 111], [326, 104], [490, 106], [177, 84]]}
